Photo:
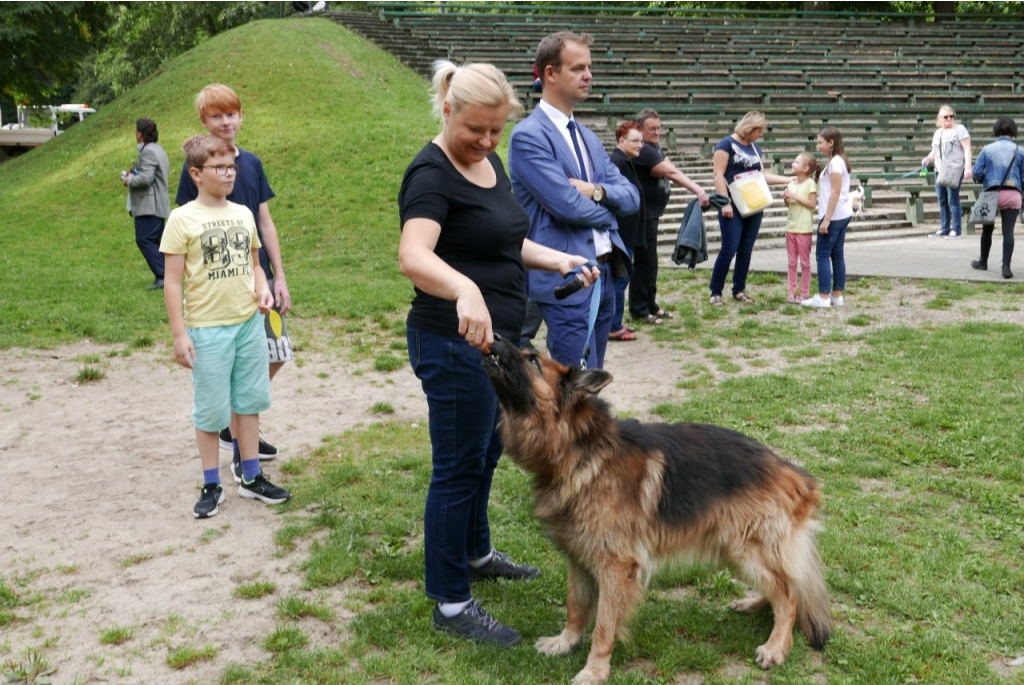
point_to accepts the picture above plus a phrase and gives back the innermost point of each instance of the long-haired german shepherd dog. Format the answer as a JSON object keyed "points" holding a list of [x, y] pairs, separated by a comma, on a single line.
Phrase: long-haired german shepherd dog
{"points": [[618, 497]]}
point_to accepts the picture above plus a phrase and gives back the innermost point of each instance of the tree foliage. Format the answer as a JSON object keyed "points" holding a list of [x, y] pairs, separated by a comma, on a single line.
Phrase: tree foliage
{"points": [[43, 45], [143, 35]]}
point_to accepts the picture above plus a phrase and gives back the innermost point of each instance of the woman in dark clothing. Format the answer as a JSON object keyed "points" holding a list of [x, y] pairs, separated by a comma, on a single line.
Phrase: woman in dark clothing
{"points": [[465, 250], [1001, 161], [629, 141], [733, 155]]}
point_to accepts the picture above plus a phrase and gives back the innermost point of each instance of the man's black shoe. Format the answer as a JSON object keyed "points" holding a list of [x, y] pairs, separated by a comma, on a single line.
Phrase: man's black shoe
{"points": [[502, 566], [158, 284], [476, 624]]}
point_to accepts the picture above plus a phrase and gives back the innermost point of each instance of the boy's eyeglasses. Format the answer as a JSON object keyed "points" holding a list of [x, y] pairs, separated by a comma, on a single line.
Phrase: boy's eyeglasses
{"points": [[223, 169]]}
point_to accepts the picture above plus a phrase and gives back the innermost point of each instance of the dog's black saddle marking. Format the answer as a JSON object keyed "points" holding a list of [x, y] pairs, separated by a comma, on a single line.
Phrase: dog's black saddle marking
{"points": [[703, 464]]}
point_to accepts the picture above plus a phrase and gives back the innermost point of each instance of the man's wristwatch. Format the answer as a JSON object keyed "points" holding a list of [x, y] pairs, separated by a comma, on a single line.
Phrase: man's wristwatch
{"points": [[598, 193]]}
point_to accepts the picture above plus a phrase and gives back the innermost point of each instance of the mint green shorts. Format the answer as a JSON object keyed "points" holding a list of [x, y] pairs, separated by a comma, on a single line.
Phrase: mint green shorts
{"points": [[230, 372]]}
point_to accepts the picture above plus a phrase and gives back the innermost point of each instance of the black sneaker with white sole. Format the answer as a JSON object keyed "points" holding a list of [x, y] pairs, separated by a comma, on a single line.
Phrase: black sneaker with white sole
{"points": [[236, 468], [266, 452], [473, 623], [262, 489], [209, 497], [225, 440], [502, 566]]}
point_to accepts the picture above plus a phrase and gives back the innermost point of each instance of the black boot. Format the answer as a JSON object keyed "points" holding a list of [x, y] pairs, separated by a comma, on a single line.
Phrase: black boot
{"points": [[1006, 271], [979, 264]]}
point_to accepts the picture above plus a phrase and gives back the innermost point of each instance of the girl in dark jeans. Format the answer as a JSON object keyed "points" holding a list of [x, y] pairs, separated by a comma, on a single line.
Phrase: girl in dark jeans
{"points": [[999, 159]]}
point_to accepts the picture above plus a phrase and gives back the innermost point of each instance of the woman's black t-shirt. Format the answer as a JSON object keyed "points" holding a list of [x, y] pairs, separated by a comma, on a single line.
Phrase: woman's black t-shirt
{"points": [[741, 157], [631, 227], [482, 233]]}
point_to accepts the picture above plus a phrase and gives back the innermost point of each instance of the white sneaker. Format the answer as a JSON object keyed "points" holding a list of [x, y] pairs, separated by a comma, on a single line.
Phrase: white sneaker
{"points": [[939, 234], [836, 301], [817, 301], [953, 235]]}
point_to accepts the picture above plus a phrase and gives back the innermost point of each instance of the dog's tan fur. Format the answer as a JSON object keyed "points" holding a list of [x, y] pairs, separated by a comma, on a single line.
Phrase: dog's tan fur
{"points": [[604, 490]]}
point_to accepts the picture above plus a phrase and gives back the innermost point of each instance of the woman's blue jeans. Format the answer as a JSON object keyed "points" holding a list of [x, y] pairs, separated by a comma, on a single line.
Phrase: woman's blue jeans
{"points": [[738, 237], [950, 214], [830, 256], [466, 445]]}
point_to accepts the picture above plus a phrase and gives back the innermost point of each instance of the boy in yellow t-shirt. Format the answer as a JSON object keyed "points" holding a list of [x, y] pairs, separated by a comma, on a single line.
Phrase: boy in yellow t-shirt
{"points": [[216, 296], [801, 196]]}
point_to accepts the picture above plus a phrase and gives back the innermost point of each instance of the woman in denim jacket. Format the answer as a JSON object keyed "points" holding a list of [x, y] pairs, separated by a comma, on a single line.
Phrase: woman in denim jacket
{"points": [[989, 170]]}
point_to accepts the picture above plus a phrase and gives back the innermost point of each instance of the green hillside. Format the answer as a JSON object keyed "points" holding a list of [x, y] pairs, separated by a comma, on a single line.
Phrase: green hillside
{"points": [[335, 121]]}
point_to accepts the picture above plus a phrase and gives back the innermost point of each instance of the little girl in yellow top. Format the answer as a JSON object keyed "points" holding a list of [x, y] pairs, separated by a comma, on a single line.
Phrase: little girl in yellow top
{"points": [[801, 196]]}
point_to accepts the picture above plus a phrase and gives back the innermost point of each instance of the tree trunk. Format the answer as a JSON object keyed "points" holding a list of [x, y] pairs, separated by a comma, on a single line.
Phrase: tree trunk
{"points": [[945, 10]]}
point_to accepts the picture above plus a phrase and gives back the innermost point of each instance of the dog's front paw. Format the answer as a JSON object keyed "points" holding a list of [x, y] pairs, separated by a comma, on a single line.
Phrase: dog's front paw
{"points": [[766, 657], [558, 645], [591, 676]]}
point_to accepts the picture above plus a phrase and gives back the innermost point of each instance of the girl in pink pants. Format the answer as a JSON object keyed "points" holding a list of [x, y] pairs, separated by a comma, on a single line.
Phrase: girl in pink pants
{"points": [[801, 196]]}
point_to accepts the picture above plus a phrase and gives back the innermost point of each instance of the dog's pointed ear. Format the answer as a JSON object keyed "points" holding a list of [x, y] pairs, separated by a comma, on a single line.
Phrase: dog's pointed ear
{"points": [[590, 381]]}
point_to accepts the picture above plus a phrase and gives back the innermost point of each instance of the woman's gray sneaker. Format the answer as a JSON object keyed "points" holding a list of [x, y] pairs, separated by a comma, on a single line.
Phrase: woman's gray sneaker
{"points": [[473, 623]]}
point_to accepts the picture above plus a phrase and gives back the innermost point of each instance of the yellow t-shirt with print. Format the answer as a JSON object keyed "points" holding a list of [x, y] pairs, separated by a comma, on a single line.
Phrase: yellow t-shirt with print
{"points": [[801, 219], [220, 284]]}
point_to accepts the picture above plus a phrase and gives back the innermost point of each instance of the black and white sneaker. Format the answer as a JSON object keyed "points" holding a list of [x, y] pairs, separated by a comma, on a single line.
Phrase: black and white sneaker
{"points": [[262, 489], [473, 623], [225, 440], [236, 468], [938, 234], [209, 497], [502, 566], [266, 453]]}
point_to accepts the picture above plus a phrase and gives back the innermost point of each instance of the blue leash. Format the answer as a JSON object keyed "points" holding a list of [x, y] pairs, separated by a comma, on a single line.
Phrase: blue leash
{"points": [[572, 284]]}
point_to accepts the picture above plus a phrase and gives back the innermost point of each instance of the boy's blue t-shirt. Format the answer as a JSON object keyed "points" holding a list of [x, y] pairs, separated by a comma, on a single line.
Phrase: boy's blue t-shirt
{"points": [[251, 190], [741, 157]]}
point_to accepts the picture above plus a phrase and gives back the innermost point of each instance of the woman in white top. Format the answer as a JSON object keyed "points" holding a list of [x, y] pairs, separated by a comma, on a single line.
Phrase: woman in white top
{"points": [[834, 213], [951, 145]]}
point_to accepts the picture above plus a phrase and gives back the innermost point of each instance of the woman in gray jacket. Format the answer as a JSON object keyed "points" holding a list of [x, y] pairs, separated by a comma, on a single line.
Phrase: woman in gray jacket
{"points": [[1001, 159], [150, 204]]}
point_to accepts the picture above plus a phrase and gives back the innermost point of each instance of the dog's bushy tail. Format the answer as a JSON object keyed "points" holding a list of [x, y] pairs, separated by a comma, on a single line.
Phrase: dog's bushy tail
{"points": [[813, 614]]}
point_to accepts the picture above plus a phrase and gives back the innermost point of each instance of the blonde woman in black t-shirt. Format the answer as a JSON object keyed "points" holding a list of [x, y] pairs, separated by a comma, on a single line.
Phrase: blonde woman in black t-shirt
{"points": [[464, 248], [733, 155]]}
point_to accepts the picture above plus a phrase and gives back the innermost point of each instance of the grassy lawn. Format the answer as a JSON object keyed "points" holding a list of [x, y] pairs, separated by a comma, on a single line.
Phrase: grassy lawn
{"points": [[913, 429], [335, 121]]}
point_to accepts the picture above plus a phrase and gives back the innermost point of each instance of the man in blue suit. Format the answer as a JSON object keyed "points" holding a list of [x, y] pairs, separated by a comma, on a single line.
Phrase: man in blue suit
{"points": [[572, 192]]}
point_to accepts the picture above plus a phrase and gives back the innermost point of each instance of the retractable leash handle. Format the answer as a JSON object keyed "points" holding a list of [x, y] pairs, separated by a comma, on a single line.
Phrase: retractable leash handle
{"points": [[571, 284]]}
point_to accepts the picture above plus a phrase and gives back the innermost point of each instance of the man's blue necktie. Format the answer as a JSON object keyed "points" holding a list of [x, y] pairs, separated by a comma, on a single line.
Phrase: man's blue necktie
{"points": [[579, 152]]}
